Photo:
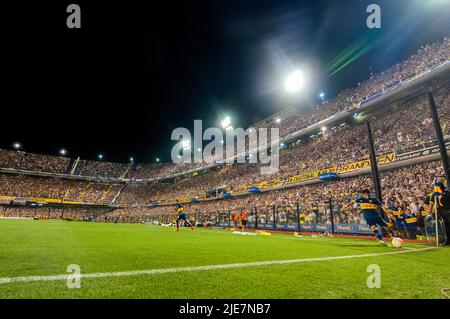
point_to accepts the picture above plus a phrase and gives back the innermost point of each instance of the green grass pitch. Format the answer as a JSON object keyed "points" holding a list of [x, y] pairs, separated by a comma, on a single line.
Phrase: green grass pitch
{"points": [[43, 248]]}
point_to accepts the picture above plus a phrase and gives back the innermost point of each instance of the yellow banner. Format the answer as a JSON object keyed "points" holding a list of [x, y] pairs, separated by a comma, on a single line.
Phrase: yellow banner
{"points": [[71, 202], [53, 201], [6, 199], [311, 175], [262, 185], [381, 160], [44, 200], [303, 177]]}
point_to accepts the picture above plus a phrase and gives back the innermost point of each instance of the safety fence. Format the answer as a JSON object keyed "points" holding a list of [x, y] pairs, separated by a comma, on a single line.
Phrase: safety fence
{"points": [[333, 216]]}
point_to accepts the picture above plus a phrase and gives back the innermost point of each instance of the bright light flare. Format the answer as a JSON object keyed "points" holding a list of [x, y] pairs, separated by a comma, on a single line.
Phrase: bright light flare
{"points": [[226, 122], [294, 82]]}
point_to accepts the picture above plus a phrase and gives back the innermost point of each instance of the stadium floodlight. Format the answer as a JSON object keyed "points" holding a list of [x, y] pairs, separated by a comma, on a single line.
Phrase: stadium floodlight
{"points": [[17, 145], [131, 159], [226, 122], [278, 120], [294, 82], [157, 160], [62, 152], [100, 156]]}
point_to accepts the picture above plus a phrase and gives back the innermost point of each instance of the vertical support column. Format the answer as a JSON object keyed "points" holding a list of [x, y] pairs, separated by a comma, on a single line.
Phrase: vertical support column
{"points": [[274, 217], [439, 135], [374, 164], [330, 203]]}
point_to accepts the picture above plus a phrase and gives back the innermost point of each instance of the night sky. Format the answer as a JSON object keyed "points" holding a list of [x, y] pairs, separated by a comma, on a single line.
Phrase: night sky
{"points": [[134, 72]]}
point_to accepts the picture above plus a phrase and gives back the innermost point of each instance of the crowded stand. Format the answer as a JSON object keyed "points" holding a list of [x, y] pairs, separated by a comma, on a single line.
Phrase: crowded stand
{"points": [[47, 213], [427, 57], [33, 162], [21, 185], [399, 129], [404, 189], [333, 147], [100, 169]]}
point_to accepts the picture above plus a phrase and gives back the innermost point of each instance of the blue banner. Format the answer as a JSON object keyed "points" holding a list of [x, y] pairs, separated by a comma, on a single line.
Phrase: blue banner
{"points": [[352, 228], [292, 226], [225, 195], [281, 226], [253, 189], [362, 229], [328, 176]]}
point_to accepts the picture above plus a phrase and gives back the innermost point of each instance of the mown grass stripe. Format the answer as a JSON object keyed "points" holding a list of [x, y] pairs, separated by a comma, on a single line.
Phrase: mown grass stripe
{"points": [[6, 280]]}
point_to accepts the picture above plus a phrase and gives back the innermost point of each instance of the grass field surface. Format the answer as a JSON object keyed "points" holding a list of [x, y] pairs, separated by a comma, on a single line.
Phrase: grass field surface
{"points": [[144, 261]]}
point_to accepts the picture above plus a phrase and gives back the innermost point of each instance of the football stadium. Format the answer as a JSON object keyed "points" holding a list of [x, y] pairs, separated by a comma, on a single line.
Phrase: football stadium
{"points": [[357, 208]]}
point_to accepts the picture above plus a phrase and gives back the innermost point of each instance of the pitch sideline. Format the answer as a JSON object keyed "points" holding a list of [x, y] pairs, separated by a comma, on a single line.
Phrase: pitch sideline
{"points": [[6, 280]]}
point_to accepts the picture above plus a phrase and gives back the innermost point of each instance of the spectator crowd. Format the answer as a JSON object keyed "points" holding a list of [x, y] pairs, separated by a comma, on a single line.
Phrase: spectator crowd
{"points": [[399, 128]]}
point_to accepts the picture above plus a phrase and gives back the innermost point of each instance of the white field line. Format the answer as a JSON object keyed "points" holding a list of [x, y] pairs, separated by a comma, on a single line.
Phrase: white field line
{"points": [[7, 280]]}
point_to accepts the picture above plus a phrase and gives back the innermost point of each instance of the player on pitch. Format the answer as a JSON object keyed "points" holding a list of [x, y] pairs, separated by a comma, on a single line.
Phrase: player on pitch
{"points": [[183, 218], [371, 215]]}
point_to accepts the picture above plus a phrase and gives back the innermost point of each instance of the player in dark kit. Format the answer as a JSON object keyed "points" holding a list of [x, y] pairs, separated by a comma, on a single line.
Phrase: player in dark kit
{"points": [[183, 218], [372, 216]]}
